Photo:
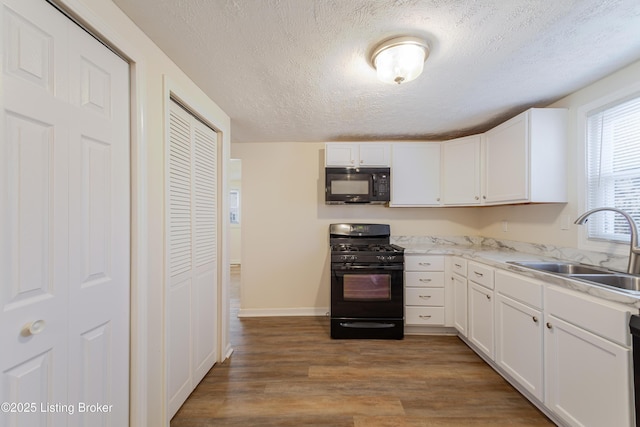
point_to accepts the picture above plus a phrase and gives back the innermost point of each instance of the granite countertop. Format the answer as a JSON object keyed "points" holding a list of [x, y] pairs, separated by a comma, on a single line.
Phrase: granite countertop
{"points": [[497, 253]]}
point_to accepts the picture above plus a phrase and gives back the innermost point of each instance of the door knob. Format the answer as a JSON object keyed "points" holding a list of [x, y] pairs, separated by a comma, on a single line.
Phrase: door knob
{"points": [[33, 328]]}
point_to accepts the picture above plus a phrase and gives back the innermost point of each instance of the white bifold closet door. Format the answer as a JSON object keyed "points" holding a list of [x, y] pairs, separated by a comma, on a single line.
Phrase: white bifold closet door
{"points": [[191, 277]]}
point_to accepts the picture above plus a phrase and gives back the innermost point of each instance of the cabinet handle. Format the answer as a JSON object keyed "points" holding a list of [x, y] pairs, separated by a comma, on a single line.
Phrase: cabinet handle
{"points": [[424, 296], [425, 264], [535, 319], [458, 265], [548, 325], [438, 199], [477, 198], [484, 197], [478, 274], [488, 297], [425, 280], [423, 316]]}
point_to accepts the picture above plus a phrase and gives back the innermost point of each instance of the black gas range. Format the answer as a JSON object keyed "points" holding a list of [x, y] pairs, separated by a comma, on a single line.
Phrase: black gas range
{"points": [[367, 286]]}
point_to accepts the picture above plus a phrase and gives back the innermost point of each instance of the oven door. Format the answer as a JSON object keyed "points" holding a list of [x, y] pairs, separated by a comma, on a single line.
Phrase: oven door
{"points": [[367, 291]]}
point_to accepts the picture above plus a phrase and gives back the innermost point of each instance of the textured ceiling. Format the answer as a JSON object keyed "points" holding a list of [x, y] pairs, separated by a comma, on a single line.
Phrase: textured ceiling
{"points": [[298, 70]]}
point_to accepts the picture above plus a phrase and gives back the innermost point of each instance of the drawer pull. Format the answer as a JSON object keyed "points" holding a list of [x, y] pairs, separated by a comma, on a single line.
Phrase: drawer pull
{"points": [[424, 296], [535, 319], [425, 280], [425, 264], [458, 265], [425, 316], [478, 274], [548, 325]]}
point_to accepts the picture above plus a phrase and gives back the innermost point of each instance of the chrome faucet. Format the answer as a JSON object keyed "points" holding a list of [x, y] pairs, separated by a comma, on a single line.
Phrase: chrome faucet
{"points": [[634, 250]]}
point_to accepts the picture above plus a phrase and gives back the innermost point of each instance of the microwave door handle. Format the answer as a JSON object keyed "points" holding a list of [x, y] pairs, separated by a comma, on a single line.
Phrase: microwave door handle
{"points": [[374, 191]]}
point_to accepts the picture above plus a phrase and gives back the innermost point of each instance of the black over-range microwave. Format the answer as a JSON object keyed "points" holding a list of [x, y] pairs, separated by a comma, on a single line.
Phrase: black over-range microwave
{"points": [[357, 185]]}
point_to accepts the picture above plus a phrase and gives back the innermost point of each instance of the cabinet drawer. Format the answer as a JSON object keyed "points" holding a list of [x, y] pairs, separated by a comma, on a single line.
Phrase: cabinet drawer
{"points": [[600, 317], [433, 297], [520, 288], [480, 274], [424, 279], [459, 265], [424, 315], [424, 263]]}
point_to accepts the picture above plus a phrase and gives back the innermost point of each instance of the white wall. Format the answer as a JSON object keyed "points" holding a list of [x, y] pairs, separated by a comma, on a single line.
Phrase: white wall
{"points": [[152, 69], [541, 223], [285, 264], [285, 223]]}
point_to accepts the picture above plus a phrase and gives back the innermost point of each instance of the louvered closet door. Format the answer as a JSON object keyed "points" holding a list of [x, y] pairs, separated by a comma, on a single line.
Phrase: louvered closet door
{"points": [[191, 253]]}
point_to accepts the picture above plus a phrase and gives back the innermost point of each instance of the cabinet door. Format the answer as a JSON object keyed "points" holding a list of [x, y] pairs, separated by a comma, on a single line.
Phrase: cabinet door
{"points": [[415, 174], [506, 166], [588, 379], [481, 318], [461, 171], [519, 349], [375, 155], [341, 154], [460, 304]]}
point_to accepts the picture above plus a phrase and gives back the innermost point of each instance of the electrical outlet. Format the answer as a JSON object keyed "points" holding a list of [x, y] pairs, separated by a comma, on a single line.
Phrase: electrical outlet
{"points": [[565, 222]]}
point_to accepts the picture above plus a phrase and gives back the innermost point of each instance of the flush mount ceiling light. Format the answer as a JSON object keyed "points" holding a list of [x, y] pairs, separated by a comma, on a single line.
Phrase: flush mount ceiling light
{"points": [[400, 59]]}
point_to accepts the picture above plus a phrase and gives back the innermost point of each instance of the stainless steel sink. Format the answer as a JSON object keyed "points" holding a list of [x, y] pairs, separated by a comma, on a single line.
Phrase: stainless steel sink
{"points": [[619, 281], [563, 268], [587, 273]]}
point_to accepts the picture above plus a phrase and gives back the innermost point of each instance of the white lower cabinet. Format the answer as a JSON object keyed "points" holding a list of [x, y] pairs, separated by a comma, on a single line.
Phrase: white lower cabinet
{"points": [[480, 333], [569, 352], [459, 303], [519, 331], [589, 376], [459, 291], [424, 290]]}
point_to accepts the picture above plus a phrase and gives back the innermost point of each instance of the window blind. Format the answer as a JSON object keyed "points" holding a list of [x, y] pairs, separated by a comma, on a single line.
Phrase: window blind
{"points": [[613, 168]]}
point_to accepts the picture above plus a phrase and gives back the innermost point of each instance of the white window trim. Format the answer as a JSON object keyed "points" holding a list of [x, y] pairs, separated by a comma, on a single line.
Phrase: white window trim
{"points": [[619, 248]]}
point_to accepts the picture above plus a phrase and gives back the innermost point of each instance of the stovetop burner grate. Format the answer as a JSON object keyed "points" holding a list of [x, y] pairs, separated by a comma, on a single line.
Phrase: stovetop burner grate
{"points": [[347, 247]]}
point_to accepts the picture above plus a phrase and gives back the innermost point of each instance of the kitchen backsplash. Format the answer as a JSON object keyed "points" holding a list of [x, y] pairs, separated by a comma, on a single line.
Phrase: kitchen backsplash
{"points": [[611, 261]]}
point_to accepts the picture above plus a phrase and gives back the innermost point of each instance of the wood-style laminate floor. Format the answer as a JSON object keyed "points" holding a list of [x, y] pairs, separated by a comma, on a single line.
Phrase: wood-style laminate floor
{"points": [[288, 372]]}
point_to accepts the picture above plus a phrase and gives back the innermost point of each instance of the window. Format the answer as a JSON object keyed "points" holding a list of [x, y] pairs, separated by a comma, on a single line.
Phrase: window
{"points": [[613, 167], [234, 206]]}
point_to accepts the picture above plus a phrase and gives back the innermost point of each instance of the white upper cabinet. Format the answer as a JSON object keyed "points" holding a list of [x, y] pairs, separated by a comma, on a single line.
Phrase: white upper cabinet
{"points": [[415, 174], [525, 158], [375, 155], [461, 176], [356, 154]]}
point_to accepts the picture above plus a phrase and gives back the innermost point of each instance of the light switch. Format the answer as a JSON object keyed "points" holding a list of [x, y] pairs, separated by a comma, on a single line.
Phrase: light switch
{"points": [[505, 225]]}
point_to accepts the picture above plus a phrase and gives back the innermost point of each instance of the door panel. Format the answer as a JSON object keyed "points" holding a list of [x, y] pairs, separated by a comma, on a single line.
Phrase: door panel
{"points": [[99, 230], [192, 234]]}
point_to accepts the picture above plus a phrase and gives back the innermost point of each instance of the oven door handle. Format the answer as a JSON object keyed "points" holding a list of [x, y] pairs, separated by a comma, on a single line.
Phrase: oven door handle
{"points": [[371, 267], [368, 325]]}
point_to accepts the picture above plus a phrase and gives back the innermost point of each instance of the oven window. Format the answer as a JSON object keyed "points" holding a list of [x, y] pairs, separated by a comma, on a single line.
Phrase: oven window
{"points": [[367, 287], [350, 187]]}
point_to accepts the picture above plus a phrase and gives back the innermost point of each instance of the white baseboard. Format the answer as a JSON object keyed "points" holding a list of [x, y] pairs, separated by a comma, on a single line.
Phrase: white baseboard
{"points": [[228, 353], [276, 312]]}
